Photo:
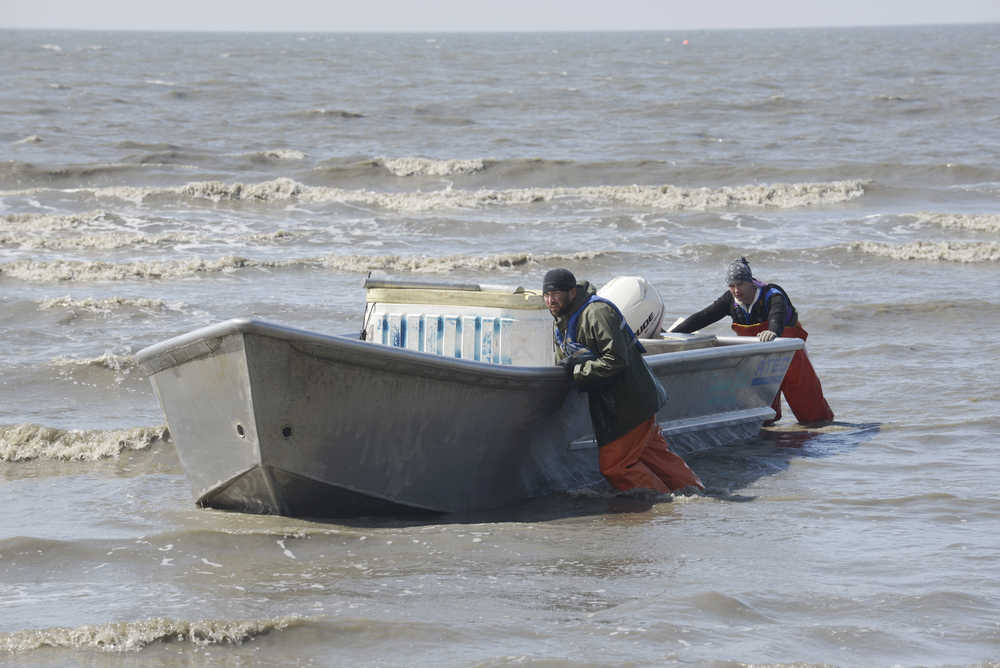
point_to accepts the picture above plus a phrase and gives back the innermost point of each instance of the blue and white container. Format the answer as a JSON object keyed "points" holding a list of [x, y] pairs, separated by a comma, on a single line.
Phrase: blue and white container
{"points": [[486, 323]]}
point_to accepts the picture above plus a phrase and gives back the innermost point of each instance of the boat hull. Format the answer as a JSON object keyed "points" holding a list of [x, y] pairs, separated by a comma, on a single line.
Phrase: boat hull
{"points": [[270, 419]]}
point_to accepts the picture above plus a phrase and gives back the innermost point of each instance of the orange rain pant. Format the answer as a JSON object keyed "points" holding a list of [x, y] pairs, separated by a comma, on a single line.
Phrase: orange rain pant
{"points": [[642, 459], [801, 385]]}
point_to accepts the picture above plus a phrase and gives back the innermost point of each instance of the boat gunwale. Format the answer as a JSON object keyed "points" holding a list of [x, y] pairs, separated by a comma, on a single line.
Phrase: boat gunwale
{"points": [[184, 348]]}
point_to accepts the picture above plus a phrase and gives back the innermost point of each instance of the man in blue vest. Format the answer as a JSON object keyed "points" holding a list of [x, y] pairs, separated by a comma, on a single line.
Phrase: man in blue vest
{"points": [[764, 310], [603, 357]]}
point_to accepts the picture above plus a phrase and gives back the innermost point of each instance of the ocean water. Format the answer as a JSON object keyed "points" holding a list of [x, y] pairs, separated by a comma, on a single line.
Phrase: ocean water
{"points": [[152, 183]]}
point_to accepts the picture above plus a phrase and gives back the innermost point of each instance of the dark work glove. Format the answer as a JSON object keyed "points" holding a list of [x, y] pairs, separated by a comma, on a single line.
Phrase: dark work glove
{"points": [[567, 364], [578, 357]]}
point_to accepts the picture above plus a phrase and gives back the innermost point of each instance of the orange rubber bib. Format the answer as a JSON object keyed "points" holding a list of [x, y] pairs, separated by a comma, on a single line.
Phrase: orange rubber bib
{"points": [[801, 385]]}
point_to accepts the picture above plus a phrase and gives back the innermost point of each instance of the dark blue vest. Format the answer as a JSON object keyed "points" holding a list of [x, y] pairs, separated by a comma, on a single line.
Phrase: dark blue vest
{"points": [[743, 317], [569, 346]]}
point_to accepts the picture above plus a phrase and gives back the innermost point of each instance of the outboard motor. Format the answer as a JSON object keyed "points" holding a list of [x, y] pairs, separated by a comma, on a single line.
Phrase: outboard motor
{"points": [[638, 301]]}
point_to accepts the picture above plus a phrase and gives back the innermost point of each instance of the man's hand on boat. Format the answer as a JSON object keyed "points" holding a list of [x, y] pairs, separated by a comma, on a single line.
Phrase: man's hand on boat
{"points": [[569, 362], [766, 335]]}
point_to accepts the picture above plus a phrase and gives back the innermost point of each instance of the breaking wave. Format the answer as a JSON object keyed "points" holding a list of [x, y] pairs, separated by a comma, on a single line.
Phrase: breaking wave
{"points": [[448, 263], [78, 270], [429, 167], [103, 306], [25, 442], [943, 251], [101, 230], [45, 223], [217, 191], [99, 241], [664, 197], [779, 196], [974, 222], [134, 636], [120, 364]]}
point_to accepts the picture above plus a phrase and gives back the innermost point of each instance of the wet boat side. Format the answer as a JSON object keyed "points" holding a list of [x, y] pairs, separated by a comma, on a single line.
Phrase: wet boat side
{"points": [[268, 418]]}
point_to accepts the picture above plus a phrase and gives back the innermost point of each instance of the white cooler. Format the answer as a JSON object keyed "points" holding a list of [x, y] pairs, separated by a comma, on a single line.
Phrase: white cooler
{"points": [[487, 323]]}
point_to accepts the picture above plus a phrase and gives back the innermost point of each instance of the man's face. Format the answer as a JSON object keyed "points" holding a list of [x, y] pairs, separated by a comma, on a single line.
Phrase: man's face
{"points": [[558, 301], [743, 291]]}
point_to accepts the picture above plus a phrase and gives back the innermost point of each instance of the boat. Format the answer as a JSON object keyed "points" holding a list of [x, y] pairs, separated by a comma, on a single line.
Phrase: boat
{"points": [[448, 401]]}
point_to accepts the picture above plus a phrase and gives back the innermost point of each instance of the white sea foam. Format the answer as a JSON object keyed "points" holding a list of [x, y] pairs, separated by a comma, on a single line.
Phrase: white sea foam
{"points": [[449, 263], [23, 442], [92, 230], [134, 636], [45, 223], [272, 237], [945, 251], [30, 139], [120, 364], [975, 222], [661, 197], [96, 241], [417, 202], [101, 230], [779, 196], [278, 189], [411, 166], [103, 306], [78, 270]]}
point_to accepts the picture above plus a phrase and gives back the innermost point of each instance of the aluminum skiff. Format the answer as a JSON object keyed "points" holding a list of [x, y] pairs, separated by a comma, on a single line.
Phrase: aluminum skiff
{"points": [[271, 419]]}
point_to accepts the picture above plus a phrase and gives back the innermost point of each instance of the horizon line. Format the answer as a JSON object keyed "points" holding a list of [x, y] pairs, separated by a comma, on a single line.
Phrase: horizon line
{"points": [[453, 31]]}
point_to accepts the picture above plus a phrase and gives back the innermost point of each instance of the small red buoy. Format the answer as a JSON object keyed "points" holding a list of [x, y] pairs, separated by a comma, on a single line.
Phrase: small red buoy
{"points": [[685, 42]]}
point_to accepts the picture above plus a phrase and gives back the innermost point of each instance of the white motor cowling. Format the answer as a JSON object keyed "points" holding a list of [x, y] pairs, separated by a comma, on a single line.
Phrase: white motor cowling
{"points": [[638, 301]]}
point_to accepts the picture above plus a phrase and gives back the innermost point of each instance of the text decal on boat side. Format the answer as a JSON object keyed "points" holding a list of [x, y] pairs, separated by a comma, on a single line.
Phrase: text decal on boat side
{"points": [[771, 370]]}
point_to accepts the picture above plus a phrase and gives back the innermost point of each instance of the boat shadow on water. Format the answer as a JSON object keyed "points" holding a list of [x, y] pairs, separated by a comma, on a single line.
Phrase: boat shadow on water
{"points": [[725, 470]]}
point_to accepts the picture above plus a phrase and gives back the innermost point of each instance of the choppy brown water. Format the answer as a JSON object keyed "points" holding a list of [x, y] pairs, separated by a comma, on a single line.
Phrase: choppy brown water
{"points": [[153, 183]]}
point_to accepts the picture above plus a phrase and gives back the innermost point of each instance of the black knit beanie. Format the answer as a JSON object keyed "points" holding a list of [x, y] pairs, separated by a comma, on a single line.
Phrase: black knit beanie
{"points": [[558, 279]]}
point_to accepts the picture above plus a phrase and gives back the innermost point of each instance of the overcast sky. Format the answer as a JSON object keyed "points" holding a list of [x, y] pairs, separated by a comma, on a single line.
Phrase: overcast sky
{"points": [[499, 15]]}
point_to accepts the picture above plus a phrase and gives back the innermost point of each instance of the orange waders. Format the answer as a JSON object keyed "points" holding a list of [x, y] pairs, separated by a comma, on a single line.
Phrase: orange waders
{"points": [[642, 459], [801, 385]]}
